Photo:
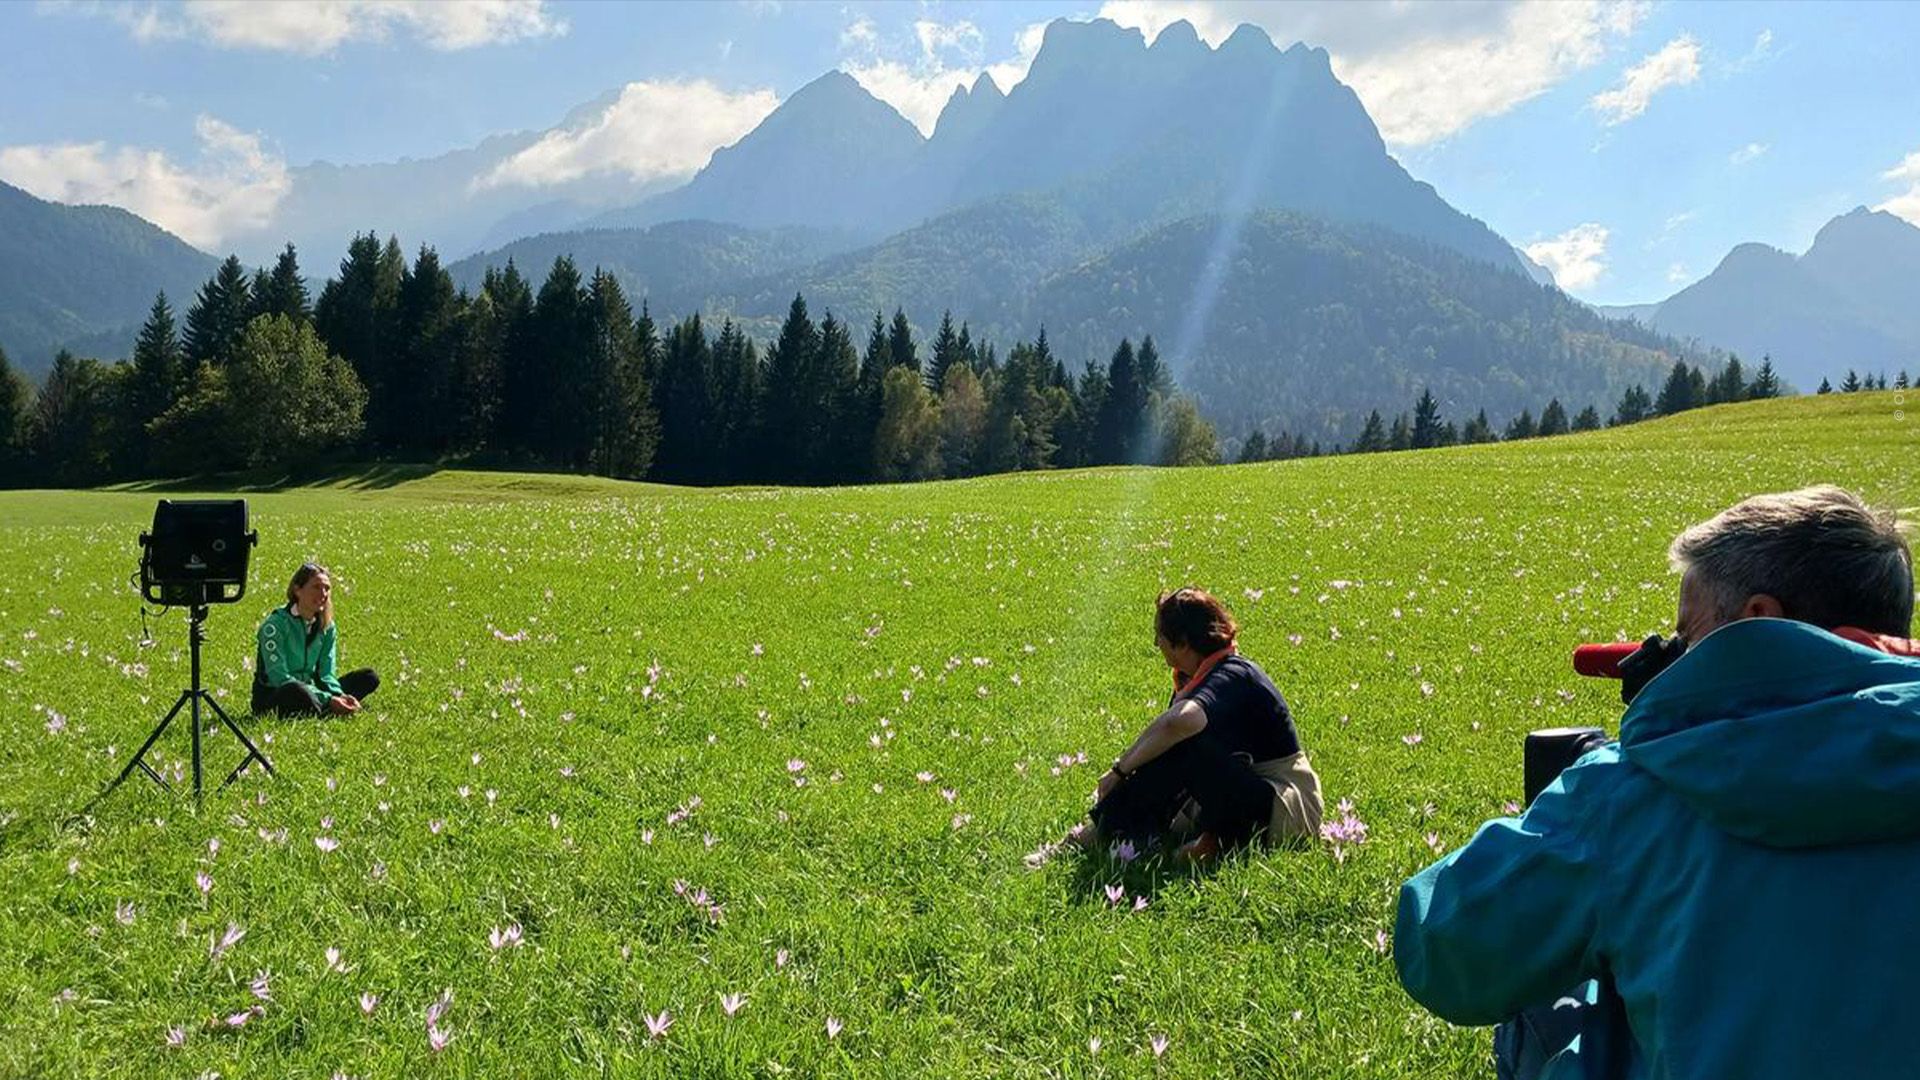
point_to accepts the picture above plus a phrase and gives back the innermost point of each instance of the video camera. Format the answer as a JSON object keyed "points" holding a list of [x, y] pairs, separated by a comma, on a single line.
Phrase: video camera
{"points": [[1548, 752]]}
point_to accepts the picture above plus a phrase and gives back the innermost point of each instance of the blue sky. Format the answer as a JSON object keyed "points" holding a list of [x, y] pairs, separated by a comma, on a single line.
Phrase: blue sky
{"points": [[1628, 145]]}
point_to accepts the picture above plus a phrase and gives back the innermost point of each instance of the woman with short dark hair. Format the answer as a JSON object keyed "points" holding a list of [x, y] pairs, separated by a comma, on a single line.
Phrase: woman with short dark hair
{"points": [[1223, 763], [297, 654]]}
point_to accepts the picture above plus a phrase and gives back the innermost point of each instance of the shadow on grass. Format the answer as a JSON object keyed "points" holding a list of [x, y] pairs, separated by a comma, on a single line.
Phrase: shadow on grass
{"points": [[374, 477], [1144, 875]]}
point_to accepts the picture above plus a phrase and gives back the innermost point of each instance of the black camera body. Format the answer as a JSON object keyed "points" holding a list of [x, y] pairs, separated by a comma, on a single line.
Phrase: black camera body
{"points": [[197, 552], [1549, 751]]}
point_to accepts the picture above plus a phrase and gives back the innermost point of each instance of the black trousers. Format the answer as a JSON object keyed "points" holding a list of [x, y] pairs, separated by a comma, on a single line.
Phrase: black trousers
{"points": [[293, 699], [1234, 801]]}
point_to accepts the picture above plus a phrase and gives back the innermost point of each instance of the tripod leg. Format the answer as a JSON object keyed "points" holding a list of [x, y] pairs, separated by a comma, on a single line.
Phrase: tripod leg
{"points": [[253, 752], [138, 758]]}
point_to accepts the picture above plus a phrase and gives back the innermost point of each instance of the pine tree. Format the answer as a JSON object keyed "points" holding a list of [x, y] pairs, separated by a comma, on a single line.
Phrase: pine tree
{"points": [[837, 449], [1522, 426], [1825, 387], [517, 379], [1554, 420], [219, 315], [1678, 395], [160, 371], [790, 368], [1635, 405], [1588, 420], [1851, 385], [477, 370], [1901, 383], [283, 292], [1400, 433], [1478, 430], [561, 340], [1426, 421], [685, 397], [1373, 437], [734, 394], [1730, 385], [1765, 383], [415, 410], [1123, 411], [900, 348], [1253, 447], [355, 314], [947, 351], [625, 428]]}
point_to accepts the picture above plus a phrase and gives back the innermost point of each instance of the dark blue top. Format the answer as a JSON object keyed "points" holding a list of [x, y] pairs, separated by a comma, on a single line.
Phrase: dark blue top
{"points": [[1245, 710]]}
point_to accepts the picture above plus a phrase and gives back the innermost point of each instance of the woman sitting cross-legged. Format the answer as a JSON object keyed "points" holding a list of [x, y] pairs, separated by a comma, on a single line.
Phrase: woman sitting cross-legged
{"points": [[1222, 765], [294, 664]]}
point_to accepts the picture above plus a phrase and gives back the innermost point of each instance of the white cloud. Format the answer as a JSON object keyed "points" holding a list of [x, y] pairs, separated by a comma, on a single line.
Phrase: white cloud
{"points": [[314, 27], [1748, 153], [1906, 204], [1424, 71], [1678, 274], [1674, 221], [1676, 64], [1761, 52], [233, 187], [653, 130], [1576, 257], [949, 55]]}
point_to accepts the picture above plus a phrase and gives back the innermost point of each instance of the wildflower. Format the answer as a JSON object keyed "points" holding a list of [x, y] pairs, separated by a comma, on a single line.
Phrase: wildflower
{"points": [[501, 939], [657, 1025], [1116, 893], [731, 1003], [439, 1008], [1380, 942], [437, 1039], [1414, 739], [368, 1001], [1139, 903], [326, 843], [436, 825], [1159, 1044], [240, 1018], [1093, 1045], [225, 941], [833, 1027], [123, 913], [780, 957], [176, 1036], [262, 985], [203, 881], [1124, 851]]}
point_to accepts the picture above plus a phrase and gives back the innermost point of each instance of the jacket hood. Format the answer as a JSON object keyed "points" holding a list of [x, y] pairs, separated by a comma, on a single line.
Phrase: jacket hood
{"points": [[1782, 734]]}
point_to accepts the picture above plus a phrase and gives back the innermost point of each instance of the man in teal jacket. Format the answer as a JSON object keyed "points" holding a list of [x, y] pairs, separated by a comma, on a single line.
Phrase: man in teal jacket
{"points": [[1743, 866]]}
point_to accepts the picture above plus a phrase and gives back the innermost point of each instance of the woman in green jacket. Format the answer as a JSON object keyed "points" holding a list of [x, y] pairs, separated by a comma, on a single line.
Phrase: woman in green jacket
{"points": [[295, 661]]}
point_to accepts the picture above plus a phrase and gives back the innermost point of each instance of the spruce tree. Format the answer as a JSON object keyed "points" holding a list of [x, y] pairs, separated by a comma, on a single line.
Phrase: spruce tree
{"points": [[219, 315], [1522, 426], [1901, 383], [519, 369], [789, 375], [1253, 448], [1678, 395], [1400, 435], [1851, 384], [1766, 384], [1373, 436], [688, 418], [1825, 387], [947, 351], [1478, 430], [16, 399], [1554, 420], [1426, 421], [734, 397], [160, 371], [560, 340], [415, 410], [838, 450], [1588, 420], [283, 292], [900, 347], [1635, 405], [68, 426], [1123, 410], [355, 313], [1730, 385]]}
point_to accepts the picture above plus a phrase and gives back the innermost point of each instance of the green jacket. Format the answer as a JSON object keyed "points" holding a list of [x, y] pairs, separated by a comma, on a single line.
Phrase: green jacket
{"points": [[286, 651], [1743, 864]]}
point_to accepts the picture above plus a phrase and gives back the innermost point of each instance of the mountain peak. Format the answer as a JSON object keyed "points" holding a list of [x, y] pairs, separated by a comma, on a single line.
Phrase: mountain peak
{"points": [[1178, 37], [1097, 40], [986, 85], [1247, 37], [1861, 226]]}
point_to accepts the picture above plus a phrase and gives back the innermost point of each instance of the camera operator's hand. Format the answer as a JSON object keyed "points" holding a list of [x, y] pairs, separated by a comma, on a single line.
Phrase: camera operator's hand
{"points": [[1654, 656], [343, 704]]}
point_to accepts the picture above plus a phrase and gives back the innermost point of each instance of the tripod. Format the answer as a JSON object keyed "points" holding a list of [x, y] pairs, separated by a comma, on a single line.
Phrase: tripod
{"points": [[197, 633]]}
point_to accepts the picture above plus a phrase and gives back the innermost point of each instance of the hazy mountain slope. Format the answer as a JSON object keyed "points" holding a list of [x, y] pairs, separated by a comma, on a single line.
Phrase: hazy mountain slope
{"points": [[84, 275]]}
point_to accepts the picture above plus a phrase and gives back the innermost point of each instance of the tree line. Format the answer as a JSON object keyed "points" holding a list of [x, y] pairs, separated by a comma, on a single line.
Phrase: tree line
{"points": [[392, 361]]}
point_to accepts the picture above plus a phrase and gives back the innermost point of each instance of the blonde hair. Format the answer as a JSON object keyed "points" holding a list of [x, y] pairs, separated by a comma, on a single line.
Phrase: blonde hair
{"points": [[307, 572], [1828, 557]]}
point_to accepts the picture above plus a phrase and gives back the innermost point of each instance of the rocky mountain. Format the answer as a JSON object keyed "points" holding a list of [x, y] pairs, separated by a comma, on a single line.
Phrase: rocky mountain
{"points": [[1851, 301], [83, 277], [1138, 134]]}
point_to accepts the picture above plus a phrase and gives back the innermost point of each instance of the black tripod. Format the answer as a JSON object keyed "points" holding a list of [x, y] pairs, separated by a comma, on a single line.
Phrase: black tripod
{"points": [[197, 633]]}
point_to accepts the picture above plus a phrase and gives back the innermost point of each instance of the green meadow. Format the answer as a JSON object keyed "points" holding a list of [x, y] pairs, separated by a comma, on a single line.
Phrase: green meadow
{"points": [[642, 748]]}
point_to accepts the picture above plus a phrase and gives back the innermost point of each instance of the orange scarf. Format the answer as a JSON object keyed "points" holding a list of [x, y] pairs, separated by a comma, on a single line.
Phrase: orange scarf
{"points": [[1192, 682], [1886, 643]]}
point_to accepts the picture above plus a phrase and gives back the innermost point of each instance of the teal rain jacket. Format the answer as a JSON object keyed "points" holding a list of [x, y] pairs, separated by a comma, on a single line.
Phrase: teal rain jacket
{"points": [[1744, 864]]}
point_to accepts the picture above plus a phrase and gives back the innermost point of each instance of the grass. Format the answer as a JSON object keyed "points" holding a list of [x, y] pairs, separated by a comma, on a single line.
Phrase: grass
{"points": [[572, 665]]}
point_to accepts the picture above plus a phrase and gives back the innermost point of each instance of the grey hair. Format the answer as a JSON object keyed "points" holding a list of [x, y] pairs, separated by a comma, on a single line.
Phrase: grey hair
{"points": [[1828, 557]]}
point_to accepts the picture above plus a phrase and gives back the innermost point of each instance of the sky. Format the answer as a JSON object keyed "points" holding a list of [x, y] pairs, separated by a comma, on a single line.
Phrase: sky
{"points": [[1625, 145]]}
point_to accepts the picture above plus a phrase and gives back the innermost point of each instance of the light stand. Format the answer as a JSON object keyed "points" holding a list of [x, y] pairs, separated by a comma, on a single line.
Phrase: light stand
{"points": [[194, 695]]}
